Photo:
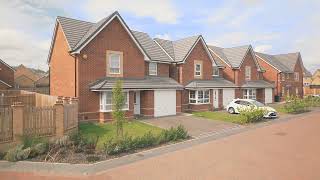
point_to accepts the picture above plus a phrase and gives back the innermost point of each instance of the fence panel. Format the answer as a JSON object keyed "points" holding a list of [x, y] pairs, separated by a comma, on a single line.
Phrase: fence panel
{"points": [[70, 116], [6, 133], [39, 121]]}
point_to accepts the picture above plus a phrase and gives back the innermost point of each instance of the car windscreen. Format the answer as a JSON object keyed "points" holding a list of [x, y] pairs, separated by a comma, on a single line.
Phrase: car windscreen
{"points": [[256, 103]]}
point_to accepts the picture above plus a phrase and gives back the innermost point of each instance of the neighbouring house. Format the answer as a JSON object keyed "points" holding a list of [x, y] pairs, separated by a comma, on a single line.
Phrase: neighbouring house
{"points": [[86, 59], [6, 76], [307, 79], [312, 84], [285, 71], [195, 68], [240, 66], [27, 79]]}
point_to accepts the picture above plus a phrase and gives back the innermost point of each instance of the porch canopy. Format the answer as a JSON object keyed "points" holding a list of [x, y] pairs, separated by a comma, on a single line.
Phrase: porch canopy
{"points": [[147, 83], [257, 84], [208, 84]]}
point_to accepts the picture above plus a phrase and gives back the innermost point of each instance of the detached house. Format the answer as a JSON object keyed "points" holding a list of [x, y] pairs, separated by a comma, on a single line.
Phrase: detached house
{"points": [[285, 71], [87, 58], [240, 66], [6, 76]]}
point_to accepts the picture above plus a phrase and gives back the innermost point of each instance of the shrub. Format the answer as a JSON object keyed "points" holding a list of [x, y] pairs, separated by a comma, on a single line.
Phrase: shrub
{"points": [[39, 149], [127, 143], [93, 158], [32, 140], [296, 105], [17, 153], [251, 115]]}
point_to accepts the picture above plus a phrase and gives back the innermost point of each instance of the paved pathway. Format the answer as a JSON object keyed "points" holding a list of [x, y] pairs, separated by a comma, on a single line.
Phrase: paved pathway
{"points": [[285, 150], [196, 126]]}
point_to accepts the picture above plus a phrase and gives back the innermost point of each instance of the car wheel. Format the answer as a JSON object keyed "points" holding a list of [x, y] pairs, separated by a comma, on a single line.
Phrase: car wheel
{"points": [[231, 110]]}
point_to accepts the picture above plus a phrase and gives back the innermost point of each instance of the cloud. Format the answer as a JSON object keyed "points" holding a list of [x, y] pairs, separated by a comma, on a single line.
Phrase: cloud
{"points": [[263, 48], [162, 11], [163, 36]]}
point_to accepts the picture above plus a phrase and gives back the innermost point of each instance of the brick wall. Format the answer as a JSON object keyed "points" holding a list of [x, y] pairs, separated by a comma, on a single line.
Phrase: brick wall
{"points": [[162, 69], [62, 67], [6, 75], [240, 75], [271, 75], [115, 38]]}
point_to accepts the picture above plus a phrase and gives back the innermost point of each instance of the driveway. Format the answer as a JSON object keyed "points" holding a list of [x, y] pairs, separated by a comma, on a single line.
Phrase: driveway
{"points": [[196, 126]]}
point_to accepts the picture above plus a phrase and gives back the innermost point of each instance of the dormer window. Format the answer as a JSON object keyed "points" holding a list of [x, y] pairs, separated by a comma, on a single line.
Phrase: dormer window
{"points": [[215, 71], [248, 73], [153, 68]]}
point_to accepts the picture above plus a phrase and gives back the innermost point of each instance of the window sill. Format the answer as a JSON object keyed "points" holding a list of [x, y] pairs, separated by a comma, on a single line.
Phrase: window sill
{"points": [[199, 103], [127, 109]]}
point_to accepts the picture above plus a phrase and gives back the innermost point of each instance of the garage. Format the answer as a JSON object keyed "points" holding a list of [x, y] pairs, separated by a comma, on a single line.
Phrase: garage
{"points": [[228, 96], [164, 103], [268, 95]]}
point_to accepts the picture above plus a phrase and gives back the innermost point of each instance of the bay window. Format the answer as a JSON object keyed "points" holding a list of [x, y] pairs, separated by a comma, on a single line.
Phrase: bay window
{"points": [[249, 94], [106, 101], [199, 97]]}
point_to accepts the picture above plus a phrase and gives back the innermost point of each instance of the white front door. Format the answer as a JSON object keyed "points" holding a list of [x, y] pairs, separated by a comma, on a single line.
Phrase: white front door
{"points": [[136, 102], [164, 103], [215, 93]]}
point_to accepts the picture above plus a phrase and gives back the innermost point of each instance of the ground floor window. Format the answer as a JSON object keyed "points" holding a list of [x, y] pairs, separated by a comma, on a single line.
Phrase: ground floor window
{"points": [[199, 96], [106, 101], [249, 94]]}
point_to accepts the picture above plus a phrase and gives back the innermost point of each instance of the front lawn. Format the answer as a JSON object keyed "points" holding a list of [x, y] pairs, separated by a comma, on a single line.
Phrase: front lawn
{"points": [[108, 130], [219, 115]]}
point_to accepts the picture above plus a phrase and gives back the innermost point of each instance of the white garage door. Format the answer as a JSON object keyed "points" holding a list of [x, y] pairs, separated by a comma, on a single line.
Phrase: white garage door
{"points": [[164, 103], [268, 95], [228, 96]]}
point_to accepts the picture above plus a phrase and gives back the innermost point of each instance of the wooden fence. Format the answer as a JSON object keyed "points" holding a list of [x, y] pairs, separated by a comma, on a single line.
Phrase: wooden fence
{"points": [[39, 121], [6, 124], [70, 116]]}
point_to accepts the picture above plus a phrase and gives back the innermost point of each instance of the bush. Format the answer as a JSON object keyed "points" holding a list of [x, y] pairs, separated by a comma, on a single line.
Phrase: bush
{"points": [[17, 153], [93, 158], [251, 115], [127, 143], [296, 105], [32, 140]]}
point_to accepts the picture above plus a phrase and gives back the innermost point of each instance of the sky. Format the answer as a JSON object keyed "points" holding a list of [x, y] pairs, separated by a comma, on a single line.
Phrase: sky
{"points": [[270, 26]]}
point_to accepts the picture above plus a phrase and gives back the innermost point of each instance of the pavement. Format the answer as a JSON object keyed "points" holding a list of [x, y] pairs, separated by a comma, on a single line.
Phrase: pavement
{"points": [[196, 126], [282, 149]]}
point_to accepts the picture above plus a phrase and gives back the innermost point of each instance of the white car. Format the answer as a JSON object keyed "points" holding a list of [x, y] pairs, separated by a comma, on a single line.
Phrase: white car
{"points": [[236, 104]]}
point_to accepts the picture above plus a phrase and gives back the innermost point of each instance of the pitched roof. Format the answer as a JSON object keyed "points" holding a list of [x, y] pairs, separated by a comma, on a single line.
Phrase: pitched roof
{"points": [[306, 72], [282, 62], [151, 47], [233, 56], [74, 29], [149, 82], [214, 83], [1, 61]]}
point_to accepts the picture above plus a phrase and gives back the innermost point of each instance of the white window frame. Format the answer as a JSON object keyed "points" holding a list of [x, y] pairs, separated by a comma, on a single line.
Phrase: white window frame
{"points": [[194, 96], [250, 94], [283, 77], [110, 63], [107, 107], [296, 76], [197, 71], [215, 71], [287, 76], [283, 91], [153, 72], [248, 73]]}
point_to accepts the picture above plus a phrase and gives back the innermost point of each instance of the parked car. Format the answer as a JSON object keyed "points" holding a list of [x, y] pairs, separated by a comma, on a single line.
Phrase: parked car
{"points": [[235, 105], [316, 95]]}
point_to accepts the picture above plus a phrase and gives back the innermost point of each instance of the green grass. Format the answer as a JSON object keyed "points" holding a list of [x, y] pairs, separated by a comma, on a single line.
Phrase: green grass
{"points": [[108, 130], [219, 115]]}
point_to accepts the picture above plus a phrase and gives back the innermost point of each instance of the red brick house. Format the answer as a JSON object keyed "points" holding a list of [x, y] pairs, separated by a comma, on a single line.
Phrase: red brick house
{"points": [[285, 71], [87, 58], [240, 66], [194, 67], [6, 76]]}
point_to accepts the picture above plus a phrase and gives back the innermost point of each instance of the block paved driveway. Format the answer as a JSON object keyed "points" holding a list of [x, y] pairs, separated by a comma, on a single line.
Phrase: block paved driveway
{"points": [[196, 126]]}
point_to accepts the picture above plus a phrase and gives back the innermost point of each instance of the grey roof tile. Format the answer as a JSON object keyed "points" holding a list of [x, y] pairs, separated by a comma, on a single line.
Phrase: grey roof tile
{"points": [[289, 60], [74, 29], [214, 83], [282, 62], [257, 84], [149, 82], [167, 45], [153, 50]]}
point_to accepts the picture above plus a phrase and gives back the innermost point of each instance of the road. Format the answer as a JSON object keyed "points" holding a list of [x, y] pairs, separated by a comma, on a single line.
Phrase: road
{"points": [[285, 150]]}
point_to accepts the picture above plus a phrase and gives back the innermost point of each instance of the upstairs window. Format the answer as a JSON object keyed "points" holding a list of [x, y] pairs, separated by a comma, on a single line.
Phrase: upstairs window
{"points": [[153, 68], [114, 63], [248, 73], [296, 76], [288, 76], [197, 69], [215, 71], [283, 77]]}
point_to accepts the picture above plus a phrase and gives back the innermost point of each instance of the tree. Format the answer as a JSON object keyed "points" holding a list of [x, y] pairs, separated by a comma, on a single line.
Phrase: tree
{"points": [[118, 100]]}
